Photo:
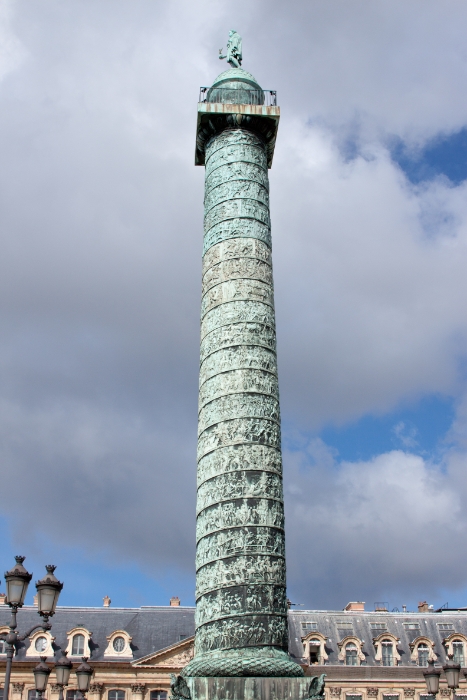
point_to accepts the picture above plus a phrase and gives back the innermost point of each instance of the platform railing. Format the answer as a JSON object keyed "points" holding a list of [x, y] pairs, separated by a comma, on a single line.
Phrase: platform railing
{"points": [[237, 96]]}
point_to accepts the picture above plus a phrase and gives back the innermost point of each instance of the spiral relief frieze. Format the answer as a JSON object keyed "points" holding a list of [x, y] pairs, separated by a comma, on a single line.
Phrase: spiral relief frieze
{"points": [[238, 381], [240, 556], [229, 460], [237, 268], [242, 484], [236, 248], [237, 171], [235, 290], [236, 189]]}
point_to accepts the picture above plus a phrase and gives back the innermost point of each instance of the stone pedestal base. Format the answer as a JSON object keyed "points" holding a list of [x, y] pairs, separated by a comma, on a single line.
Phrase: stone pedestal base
{"points": [[249, 688]]}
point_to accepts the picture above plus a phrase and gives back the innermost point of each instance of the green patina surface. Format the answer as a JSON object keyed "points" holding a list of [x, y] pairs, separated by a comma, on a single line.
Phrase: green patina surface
{"points": [[241, 605]]}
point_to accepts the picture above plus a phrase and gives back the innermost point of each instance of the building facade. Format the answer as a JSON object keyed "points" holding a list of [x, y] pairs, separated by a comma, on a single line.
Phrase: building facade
{"points": [[366, 655]]}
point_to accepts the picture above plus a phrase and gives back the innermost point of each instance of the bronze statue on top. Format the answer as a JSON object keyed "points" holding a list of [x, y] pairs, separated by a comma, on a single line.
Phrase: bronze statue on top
{"points": [[234, 49]]}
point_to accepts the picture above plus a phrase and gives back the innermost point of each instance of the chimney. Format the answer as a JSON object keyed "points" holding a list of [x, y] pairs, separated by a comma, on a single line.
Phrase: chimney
{"points": [[404, 608], [2, 598], [107, 601], [352, 607], [174, 602], [423, 607], [34, 601]]}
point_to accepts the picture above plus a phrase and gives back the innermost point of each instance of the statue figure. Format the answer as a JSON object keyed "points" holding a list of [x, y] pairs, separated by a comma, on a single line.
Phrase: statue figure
{"points": [[316, 689], [234, 49], [179, 688]]}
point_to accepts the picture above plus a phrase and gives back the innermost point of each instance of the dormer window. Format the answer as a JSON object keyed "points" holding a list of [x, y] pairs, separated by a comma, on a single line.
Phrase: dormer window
{"points": [[314, 648], [119, 645], [77, 645], [387, 655], [351, 652], [423, 654], [40, 644], [458, 649], [78, 642], [386, 649], [455, 647]]}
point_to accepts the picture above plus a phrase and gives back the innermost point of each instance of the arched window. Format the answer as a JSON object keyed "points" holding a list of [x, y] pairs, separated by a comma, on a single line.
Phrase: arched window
{"points": [[423, 654], [458, 649], [387, 652], [77, 646], [116, 695], [158, 695], [315, 651], [351, 655]]}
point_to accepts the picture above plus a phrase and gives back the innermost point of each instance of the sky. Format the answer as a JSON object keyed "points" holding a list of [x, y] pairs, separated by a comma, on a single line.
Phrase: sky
{"points": [[101, 222]]}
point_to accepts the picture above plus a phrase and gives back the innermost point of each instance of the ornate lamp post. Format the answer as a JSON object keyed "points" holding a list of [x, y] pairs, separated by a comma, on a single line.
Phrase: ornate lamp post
{"points": [[48, 590], [83, 676], [452, 672], [41, 676], [432, 676], [62, 673]]}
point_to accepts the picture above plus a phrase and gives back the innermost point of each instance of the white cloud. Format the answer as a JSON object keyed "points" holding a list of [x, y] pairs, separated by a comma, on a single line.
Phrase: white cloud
{"points": [[101, 225]]}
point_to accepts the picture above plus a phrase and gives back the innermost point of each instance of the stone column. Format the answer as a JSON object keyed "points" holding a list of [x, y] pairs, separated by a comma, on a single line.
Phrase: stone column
{"points": [[241, 606]]}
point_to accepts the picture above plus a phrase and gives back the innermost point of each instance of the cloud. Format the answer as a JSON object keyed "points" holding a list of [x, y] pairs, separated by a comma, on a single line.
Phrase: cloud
{"points": [[101, 226], [369, 530]]}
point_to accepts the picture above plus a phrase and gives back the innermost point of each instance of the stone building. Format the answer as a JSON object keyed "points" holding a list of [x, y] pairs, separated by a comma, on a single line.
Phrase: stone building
{"points": [[366, 654]]}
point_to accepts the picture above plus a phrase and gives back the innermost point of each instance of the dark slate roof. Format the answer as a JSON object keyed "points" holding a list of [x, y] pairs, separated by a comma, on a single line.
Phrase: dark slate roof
{"points": [[327, 623], [155, 628], [152, 628]]}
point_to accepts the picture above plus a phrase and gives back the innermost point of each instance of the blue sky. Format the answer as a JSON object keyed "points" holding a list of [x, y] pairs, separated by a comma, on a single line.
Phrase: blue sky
{"points": [[101, 226]]}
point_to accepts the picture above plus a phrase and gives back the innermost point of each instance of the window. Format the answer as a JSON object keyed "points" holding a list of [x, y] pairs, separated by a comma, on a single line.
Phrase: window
{"points": [[387, 653], [1, 693], [119, 644], [73, 694], [344, 625], [427, 697], [458, 649], [33, 695], [353, 697], [423, 653], [2, 651], [412, 625], [309, 626], [158, 695], [315, 647], [378, 626], [41, 644], [77, 647], [444, 627], [116, 695], [351, 655], [182, 636], [390, 696]]}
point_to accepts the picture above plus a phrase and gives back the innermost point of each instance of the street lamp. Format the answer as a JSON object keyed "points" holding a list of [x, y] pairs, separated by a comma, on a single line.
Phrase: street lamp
{"points": [[452, 672], [83, 676], [17, 582], [62, 673], [432, 675], [48, 591], [41, 676]]}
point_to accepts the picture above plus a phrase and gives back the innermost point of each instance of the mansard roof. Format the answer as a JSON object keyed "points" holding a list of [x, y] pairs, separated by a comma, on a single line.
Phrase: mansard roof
{"points": [[153, 629]]}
